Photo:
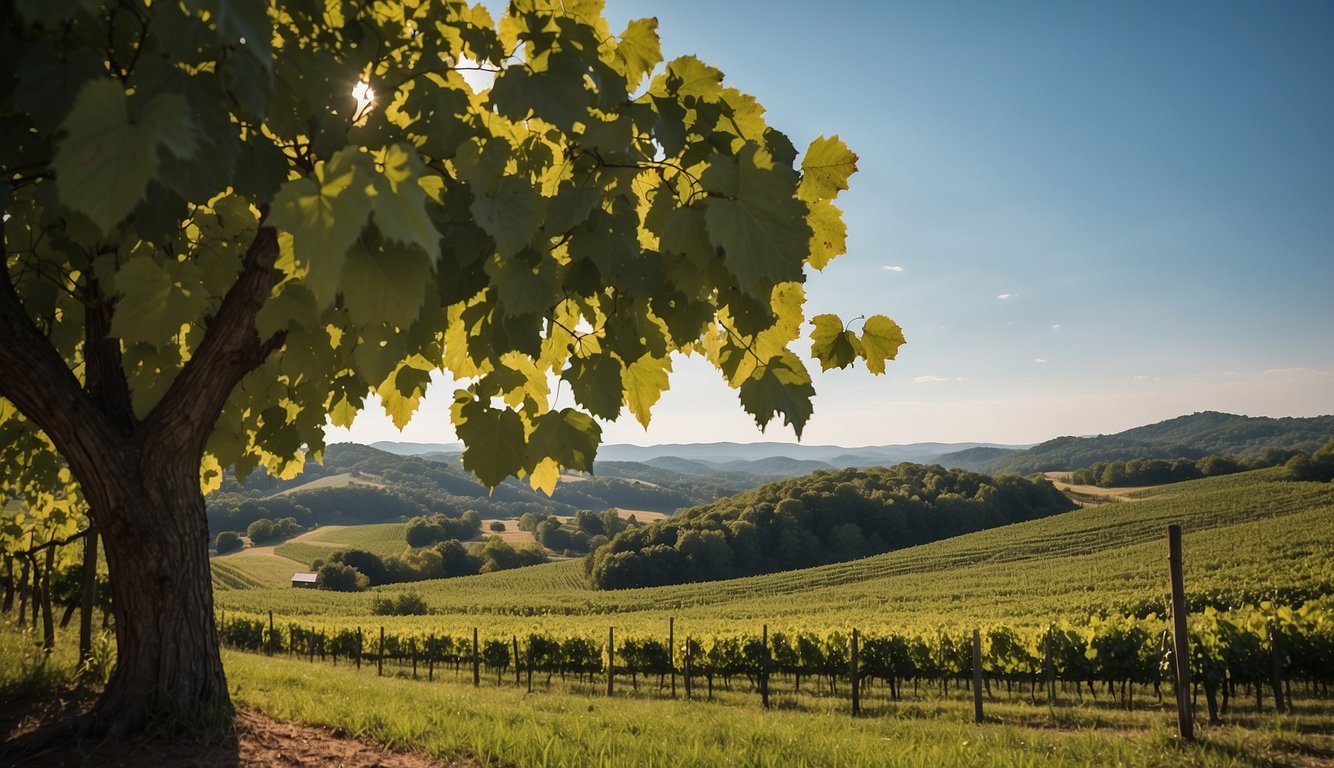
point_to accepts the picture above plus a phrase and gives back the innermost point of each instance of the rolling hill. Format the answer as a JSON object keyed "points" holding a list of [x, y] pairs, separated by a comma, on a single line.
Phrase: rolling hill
{"points": [[1191, 437]]}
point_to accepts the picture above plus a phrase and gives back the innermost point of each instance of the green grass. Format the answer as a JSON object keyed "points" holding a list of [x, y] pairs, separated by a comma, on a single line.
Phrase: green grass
{"points": [[505, 726], [383, 539], [239, 571], [1246, 535]]}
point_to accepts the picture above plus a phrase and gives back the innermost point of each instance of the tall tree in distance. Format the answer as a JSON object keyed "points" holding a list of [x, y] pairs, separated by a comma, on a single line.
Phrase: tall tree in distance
{"points": [[228, 221]]}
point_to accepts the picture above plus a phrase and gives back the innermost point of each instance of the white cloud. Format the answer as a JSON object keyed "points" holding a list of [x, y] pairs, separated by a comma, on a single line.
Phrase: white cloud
{"points": [[893, 268], [1056, 326], [1041, 361], [1147, 378], [1004, 296], [928, 379]]}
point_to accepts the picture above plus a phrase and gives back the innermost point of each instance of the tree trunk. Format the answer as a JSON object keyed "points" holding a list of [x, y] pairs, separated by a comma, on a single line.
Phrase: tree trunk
{"points": [[44, 597], [168, 668]]}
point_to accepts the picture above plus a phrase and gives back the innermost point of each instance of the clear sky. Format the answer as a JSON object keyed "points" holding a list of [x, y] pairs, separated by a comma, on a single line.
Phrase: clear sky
{"points": [[1085, 216]]}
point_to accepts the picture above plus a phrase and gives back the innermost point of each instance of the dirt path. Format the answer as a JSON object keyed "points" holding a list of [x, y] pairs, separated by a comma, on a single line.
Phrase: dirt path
{"points": [[259, 742]]}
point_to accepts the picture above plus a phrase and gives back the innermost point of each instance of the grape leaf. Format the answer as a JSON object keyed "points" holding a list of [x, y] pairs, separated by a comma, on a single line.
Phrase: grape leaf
{"points": [[510, 215], [639, 50], [105, 161], [155, 299], [781, 385], [829, 235], [493, 440], [825, 169], [596, 382], [881, 339], [400, 202], [567, 436], [325, 214], [833, 346], [645, 381], [753, 217], [385, 283]]}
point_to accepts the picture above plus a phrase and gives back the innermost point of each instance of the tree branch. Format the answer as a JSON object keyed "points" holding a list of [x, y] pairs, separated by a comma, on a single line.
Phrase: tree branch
{"points": [[181, 422], [38, 381]]}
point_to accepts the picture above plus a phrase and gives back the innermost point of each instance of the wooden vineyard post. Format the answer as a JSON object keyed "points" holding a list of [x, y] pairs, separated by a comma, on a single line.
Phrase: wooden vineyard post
{"points": [[764, 667], [690, 692], [1180, 647], [671, 651], [412, 649], [430, 660], [379, 657], [1049, 665], [269, 645], [977, 675], [515, 640], [358, 648], [476, 662], [1276, 667], [310, 642], [856, 679], [611, 659]]}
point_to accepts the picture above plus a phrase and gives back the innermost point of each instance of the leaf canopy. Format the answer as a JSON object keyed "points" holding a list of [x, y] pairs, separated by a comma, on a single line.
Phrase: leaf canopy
{"points": [[582, 215]]}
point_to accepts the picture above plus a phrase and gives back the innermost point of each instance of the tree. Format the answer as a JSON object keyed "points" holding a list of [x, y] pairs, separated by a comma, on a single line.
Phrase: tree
{"points": [[228, 220], [340, 578], [228, 541], [260, 531]]}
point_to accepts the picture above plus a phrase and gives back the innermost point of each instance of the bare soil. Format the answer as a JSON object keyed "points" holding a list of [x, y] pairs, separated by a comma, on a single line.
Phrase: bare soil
{"points": [[257, 741]]}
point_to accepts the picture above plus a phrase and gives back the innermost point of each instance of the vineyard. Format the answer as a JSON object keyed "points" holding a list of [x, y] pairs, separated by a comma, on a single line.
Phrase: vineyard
{"points": [[1253, 651], [1104, 560]]}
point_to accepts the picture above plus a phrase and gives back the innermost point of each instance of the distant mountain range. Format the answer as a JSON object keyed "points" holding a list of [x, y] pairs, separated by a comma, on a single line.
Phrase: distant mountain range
{"points": [[1194, 436], [1208, 433], [769, 459]]}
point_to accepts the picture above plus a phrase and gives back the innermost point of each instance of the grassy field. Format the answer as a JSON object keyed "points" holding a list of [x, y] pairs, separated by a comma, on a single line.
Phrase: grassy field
{"points": [[341, 480], [1246, 536]]}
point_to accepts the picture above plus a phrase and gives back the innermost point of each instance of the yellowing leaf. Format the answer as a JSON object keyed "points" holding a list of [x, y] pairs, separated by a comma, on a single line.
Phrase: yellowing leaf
{"points": [[780, 386], [645, 381], [833, 346], [543, 477], [881, 339], [825, 169]]}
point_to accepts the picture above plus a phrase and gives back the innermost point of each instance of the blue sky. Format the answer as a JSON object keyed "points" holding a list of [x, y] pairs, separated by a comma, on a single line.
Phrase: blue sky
{"points": [[1086, 216]]}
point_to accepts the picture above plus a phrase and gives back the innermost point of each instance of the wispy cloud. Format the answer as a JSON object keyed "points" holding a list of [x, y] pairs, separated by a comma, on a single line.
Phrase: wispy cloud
{"points": [[1056, 326], [1041, 361], [893, 268], [1005, 296], [1146, 378], [929, 379]]}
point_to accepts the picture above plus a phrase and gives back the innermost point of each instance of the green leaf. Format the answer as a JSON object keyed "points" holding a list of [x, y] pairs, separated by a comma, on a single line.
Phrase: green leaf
{"points": [[881, 339], [754, 218], [493, 440], [156, 299], [688, 76], [400, 202], [551, 87], [825, 169], [510, 215], [570, 207], [325, 214], [568, 436], [781, 385], [639, 50], [105, 161], [524, 288], [645, 381], [595, 381], [384, 283], [833, 346]]}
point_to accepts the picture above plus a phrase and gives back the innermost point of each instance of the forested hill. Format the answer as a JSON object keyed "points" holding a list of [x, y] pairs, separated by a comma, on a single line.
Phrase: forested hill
{"points": [[360, 484], [820, 518], [1208, 433]]}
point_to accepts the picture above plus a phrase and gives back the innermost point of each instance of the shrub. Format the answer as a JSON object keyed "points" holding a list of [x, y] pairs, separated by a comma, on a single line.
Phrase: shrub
{"points": [[228, 541], [339, 577], [406, 604]]}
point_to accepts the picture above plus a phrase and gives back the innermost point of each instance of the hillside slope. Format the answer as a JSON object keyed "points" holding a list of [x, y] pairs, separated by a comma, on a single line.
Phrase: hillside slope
{"points": [[1208, 433], [1248, 537]]}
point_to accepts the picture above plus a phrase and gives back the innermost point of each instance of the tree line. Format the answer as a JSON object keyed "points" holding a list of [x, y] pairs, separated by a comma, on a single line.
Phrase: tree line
{"points": [[821, 518], [353, 569], [1298, 465]]}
